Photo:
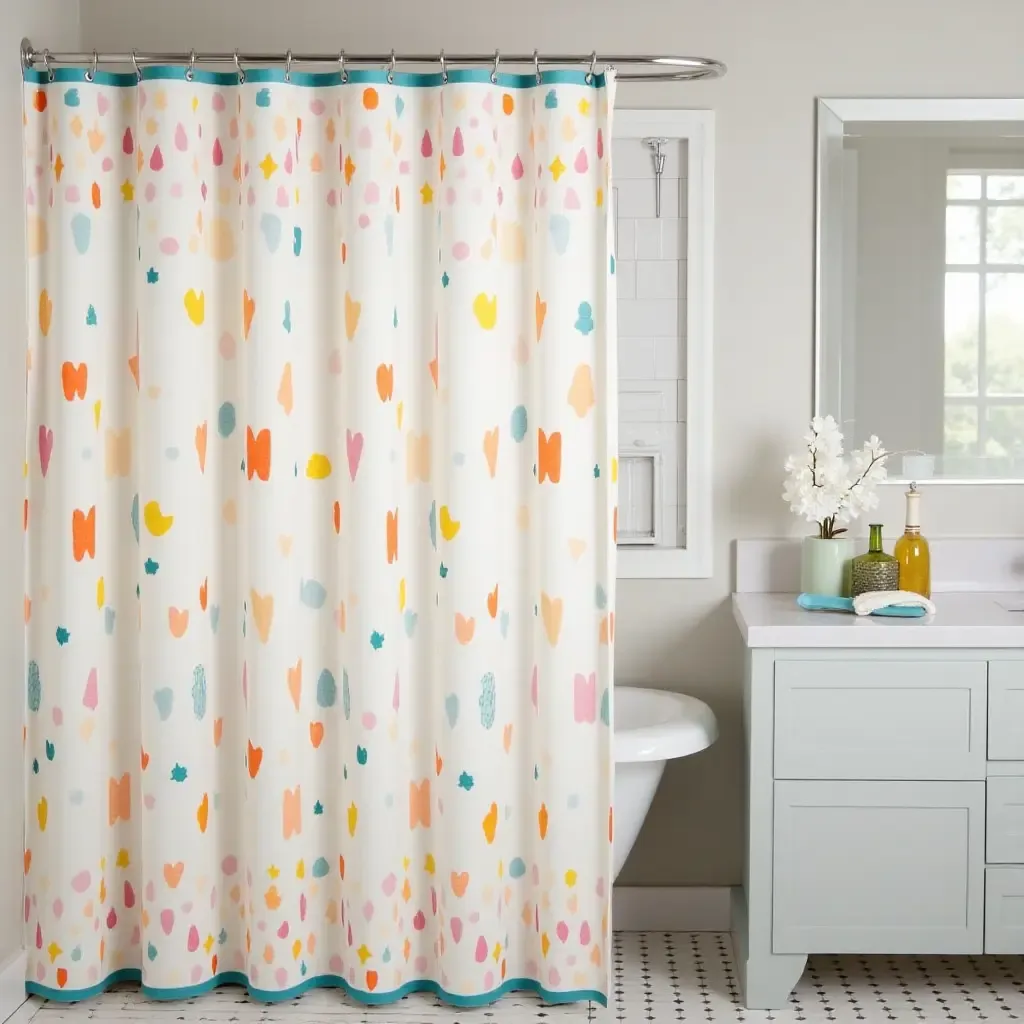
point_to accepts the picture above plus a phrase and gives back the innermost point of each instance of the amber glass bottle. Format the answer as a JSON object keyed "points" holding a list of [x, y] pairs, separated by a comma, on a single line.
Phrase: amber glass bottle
{"points": [[911, 550]]}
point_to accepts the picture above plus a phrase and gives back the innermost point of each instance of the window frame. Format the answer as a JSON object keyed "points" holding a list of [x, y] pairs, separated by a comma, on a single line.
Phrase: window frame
{"points": [[982, 400], [697, 129]]}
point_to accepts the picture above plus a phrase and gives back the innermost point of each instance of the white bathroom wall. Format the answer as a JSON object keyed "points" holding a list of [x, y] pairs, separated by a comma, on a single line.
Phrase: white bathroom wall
{"points": [[56, 21], [679, 634], [650, 272]]}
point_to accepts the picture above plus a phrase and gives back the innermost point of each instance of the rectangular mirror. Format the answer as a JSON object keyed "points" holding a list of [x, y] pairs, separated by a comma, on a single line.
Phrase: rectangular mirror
{"points": [[919, 318]]}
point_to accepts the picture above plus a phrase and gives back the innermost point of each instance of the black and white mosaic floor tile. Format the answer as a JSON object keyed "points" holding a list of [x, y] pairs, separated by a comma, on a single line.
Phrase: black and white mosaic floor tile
{"points": [[659, 978]]}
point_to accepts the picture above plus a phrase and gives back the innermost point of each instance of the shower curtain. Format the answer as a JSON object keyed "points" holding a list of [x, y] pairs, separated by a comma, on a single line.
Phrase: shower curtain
{"points": [[320, 527]]}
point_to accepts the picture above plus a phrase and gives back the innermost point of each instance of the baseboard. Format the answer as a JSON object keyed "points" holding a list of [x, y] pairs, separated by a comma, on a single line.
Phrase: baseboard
{"points": [[687, 908], [12, 984]]}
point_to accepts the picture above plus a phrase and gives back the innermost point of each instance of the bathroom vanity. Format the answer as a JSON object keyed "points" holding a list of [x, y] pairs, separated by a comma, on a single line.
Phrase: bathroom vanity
{"points": [[884, 784]]}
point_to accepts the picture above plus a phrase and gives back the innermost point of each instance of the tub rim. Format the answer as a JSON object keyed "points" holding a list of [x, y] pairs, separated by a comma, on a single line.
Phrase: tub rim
{"points": [[688, 728]]}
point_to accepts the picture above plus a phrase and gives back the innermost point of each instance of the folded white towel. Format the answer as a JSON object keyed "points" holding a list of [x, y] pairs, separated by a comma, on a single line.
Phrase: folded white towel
{"points": [[865, 604]]}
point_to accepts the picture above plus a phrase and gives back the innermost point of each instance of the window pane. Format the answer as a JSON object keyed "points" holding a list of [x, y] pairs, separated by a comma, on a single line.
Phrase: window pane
{"points": [[962, 312], [1005, 186], [961, 430], [1005, 430], [1004, 240], [963, 186], [1004, 334], [963, 234]]}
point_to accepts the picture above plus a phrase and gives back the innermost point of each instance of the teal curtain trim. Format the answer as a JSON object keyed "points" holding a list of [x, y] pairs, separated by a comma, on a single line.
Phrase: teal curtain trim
{"points": [[133, 974], [320, 79]]}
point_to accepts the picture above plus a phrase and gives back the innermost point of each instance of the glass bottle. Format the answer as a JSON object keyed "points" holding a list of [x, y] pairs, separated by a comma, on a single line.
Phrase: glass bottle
{"points": [[911, 550], [875, 570]]}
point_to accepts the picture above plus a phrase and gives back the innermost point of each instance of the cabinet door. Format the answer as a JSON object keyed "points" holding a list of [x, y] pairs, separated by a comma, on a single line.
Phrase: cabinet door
{"points": [[869, 719], [1006, 710], [878, 867], [1004, 910], [1004, 839]]}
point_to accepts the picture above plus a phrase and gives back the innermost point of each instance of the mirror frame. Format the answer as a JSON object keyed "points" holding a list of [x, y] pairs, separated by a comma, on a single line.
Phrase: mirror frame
{"points": [[830, 116]]}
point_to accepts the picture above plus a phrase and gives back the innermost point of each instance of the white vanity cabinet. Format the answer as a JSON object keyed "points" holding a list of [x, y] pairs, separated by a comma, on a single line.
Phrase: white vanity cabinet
{"points": [[884, 787]]}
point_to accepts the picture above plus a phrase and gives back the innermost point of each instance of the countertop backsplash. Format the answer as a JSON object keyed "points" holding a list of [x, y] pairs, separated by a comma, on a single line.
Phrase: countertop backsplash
{"points": [[959, 564]]}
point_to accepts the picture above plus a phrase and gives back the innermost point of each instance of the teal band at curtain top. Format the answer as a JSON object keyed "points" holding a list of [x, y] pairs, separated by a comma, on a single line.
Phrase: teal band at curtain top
{"points": [[319, 79]]}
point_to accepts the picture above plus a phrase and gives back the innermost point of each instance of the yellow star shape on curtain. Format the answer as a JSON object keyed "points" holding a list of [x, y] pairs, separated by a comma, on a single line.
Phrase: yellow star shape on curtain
{"points": [[557, 168], [267, 166], [128, 191], [428, 194]]}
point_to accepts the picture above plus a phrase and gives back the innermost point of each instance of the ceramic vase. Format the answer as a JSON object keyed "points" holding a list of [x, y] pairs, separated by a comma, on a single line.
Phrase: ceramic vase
{"points": [[825, 566]]}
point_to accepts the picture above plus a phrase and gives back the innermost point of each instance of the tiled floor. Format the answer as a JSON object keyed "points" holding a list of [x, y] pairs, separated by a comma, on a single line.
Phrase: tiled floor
{"points": [[659, 977]]}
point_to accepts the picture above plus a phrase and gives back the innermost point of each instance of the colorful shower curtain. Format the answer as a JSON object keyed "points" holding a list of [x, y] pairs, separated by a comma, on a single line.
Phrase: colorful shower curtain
{"points": [[320, 533]]}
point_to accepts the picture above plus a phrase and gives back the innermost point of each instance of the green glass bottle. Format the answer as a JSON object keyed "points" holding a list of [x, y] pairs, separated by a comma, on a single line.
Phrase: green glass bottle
{"points": [[875, 570]]}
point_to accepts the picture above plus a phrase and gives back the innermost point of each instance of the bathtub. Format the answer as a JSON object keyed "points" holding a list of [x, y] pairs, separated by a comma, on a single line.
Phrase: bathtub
{"points": [[651, 726]]}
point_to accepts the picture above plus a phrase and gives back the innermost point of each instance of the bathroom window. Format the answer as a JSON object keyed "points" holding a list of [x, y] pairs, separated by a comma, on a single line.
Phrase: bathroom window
{"points": [[984, 315], [663, 280]]}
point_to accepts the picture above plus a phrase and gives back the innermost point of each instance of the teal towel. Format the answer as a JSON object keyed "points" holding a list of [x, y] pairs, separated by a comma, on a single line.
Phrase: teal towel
{"points": [[821, 603]]}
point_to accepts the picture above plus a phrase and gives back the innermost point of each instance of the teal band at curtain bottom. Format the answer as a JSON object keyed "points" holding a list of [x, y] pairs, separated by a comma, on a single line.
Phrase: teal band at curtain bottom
{"points": [[319, 79], [133, 974]]}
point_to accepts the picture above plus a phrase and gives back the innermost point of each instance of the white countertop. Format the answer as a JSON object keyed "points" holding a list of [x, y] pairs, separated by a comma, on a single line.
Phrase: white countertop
{"points": [[961, 620]]}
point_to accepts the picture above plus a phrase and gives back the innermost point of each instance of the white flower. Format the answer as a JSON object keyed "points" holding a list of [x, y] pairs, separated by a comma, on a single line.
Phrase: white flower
{"points": [[824, 488]]}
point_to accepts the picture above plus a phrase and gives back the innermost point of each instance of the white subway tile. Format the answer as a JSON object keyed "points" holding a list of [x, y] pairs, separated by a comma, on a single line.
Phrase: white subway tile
{"points": [[666, 359], [681, 396], [669, 465], [651, 318], [631, 159], [673, 238], [648, 239], [647, 401], [635, 435], [668, 534], [675, 159], [637, 358], [657, 279], [626, 240], [636, 197], [625, 279]]}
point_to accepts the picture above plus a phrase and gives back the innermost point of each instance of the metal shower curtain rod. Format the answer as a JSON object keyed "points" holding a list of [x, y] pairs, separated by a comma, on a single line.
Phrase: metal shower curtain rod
{"points": [[661, 68]]}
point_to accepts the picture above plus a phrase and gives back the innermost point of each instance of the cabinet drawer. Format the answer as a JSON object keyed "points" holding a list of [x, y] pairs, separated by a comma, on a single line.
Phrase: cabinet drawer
{"points": [[1004, 817], [1004, 910], [1006, 710], [878, 867], [880, 719]]}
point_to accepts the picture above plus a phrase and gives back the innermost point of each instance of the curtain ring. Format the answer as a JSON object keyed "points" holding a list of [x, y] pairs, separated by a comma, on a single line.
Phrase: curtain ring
{"points": [[341, 67], [391, 69], [90, 75], [494, 70], [46, 66], [536, 68], [444, 69], [288, 66], [190, 71], [593, 68], [239, 69], [135, 64]]}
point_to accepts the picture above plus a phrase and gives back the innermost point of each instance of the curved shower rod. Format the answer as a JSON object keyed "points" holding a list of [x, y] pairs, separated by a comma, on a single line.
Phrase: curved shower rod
{"points": [[662, 68]]}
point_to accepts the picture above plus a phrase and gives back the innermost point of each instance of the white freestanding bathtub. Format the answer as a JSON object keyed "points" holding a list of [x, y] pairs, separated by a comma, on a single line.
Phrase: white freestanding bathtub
{"points": [[651, 726]]}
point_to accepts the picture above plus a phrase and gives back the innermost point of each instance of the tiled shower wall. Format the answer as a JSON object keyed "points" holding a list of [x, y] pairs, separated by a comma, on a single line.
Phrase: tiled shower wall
{"points": [[651, 279]]}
